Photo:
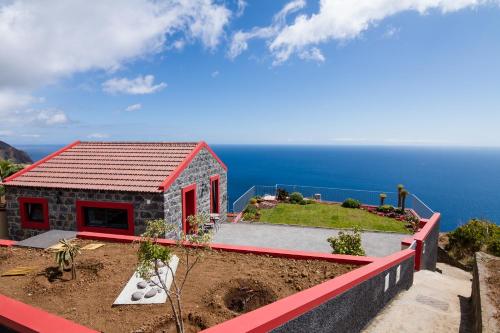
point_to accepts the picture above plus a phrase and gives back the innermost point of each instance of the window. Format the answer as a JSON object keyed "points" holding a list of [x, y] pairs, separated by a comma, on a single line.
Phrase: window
{"points": [[214, 194], [111, 217], [34, 213]]}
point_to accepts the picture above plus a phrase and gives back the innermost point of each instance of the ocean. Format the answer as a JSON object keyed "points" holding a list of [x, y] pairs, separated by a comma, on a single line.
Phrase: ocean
{"points": [[461, 183]]}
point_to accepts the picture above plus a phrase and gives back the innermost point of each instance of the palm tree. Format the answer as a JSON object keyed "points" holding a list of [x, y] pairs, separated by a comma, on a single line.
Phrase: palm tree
{"points": [[382, 198], [400, 188], [403, 195]]}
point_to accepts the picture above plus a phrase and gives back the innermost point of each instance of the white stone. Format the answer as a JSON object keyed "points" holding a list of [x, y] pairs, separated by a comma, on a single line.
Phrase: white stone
{"points": [[130, 288]]}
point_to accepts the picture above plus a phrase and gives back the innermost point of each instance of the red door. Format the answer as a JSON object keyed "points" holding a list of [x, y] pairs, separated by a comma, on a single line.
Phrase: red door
{"points": [[188, 206]]}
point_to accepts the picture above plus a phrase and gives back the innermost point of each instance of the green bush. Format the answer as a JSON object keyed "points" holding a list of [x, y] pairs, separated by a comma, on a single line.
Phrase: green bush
{"points": [[253, 201], [281, 194], [347, 243], [250, 213], [385, 209], [296, 198], [351, 203], [494, 247], [476, 235]]}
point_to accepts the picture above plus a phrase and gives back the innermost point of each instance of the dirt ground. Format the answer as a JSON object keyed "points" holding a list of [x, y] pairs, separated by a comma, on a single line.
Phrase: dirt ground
{"points": [[493, 282], [222, 286]]}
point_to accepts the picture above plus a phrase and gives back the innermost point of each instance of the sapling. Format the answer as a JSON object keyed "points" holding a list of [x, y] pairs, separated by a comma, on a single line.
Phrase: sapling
{"points": [[65, 256], [190, 248]]}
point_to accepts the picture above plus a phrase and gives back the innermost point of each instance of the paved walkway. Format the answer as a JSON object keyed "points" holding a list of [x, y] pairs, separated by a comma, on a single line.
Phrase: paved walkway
{"points": [[376, 244], [435, 303]]}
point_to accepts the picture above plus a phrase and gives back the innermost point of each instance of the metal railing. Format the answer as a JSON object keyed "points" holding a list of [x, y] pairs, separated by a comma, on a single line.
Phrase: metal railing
{"points": [[330, 194]]}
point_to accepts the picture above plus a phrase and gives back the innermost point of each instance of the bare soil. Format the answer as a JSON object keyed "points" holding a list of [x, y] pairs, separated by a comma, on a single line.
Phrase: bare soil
{"points": [[493, 282], [222, 286]]}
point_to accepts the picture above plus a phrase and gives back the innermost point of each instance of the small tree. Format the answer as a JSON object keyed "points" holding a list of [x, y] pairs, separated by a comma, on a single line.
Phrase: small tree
{"points": [[7, 168], [347, 243], [404, 193], [296, 198], [400, 188], [382, 198], [281, 194], [65, 256], [151, 255]]}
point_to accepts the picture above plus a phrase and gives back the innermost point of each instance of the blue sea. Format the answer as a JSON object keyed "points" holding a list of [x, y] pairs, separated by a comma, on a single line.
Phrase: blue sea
{"points": [[461, 183]]}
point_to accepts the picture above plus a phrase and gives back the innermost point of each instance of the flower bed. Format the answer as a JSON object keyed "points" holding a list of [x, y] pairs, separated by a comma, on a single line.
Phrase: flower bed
{"points": [[223, 286]]}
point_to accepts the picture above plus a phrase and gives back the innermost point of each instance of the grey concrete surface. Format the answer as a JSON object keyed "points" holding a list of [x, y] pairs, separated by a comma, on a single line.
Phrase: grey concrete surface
{"points": [[376, 244], [47, 239], [435, 303]]}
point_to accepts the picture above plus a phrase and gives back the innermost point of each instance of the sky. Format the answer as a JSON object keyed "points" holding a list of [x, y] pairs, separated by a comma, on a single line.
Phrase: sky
{"points": [[335, 72]]}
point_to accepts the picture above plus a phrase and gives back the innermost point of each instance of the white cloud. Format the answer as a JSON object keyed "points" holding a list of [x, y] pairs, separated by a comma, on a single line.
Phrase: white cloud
{"points": [[390, 32], [339, 20], [239, 42], [44, 41], [241, 6], [98, 136], [215, 74], [133, 107], [139, 86], [313, 54]]}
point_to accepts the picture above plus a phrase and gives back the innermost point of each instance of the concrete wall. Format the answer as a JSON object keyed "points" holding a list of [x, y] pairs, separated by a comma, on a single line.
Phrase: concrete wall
{"points": [[199, 171], [352, 310], [62, 207], [430, 248]]}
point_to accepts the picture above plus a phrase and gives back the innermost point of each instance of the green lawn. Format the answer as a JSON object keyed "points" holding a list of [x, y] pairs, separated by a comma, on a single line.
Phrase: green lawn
{"points": [[329, 216]]}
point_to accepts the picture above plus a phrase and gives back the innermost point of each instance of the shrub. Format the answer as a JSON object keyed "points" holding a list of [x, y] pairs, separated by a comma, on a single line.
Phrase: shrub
{"points": [[476, 235], [250, 213], [351, 203], [296, 198], [494, 247], [385, 209], [281, 194], [253, 201], [347, 243]]}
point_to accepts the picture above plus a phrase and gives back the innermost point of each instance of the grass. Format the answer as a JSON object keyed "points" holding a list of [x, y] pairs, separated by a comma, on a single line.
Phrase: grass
{"points": [[330, 216]]}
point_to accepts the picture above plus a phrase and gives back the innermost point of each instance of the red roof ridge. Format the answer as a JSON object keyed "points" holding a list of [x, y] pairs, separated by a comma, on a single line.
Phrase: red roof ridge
{"points": [[169, 158], [37, 163]]}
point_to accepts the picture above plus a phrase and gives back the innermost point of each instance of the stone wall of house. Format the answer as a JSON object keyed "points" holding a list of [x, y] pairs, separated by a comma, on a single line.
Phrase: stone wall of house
{"points": [[199, 171], [62, 207]]}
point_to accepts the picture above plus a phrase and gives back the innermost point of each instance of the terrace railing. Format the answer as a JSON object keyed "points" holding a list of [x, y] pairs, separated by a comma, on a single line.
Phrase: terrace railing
{"points": [[330, 194]]}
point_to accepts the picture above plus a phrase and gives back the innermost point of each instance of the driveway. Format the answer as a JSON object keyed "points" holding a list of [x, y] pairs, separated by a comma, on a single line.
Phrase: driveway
{"points": [[376, 244]]}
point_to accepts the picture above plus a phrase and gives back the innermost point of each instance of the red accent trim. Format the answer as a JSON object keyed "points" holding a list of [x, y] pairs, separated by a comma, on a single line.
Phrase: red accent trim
{"points": [[420, 236], [7, 243], [24, 318], [275, 314], [212, 179], [80, 219], [26, 223], [281, 253], [45, 159], [238, 217], [173, 176], [185, 190]]}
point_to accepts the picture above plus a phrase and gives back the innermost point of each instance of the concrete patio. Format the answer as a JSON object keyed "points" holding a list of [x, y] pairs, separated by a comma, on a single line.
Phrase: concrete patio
{"points": [[376, 244]]}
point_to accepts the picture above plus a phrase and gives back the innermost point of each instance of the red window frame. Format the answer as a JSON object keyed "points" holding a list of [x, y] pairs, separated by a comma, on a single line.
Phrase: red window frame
{"points": [[186, 189], [212, 179], [26, 223], [80, 218]]}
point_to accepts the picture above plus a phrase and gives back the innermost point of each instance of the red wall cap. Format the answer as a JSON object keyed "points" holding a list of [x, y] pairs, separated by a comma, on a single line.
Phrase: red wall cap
{"points": [[25, 318]]}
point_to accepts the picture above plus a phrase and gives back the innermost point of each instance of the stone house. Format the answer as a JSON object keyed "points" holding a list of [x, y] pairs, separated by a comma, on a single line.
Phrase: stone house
{"points": [[115, 187]]}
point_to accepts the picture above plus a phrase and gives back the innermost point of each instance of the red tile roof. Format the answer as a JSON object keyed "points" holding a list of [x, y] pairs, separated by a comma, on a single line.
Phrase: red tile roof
{"points": [[120, 166]]}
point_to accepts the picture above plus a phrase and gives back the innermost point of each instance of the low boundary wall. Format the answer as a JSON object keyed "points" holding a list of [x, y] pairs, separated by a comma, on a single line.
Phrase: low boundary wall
{"points": [[425, 242], [483, 311], [347, 302]]}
